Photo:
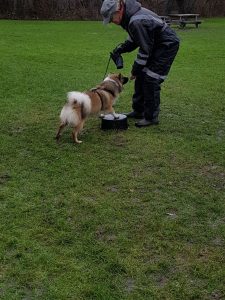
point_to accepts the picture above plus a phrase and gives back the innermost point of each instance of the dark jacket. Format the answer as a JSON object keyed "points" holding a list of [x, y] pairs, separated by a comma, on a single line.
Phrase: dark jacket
{"points": [[148, 32]]}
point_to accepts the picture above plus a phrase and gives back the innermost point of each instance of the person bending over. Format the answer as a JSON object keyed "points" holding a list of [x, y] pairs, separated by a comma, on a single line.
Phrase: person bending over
{"points": [[158, 45]]}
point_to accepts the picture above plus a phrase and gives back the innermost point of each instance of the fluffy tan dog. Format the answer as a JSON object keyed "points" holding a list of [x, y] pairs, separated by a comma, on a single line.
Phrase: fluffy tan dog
{"points": [[99, 99]]}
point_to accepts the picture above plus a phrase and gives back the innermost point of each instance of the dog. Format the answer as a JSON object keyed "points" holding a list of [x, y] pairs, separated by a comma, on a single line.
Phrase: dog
{"points": [[80, 105]]}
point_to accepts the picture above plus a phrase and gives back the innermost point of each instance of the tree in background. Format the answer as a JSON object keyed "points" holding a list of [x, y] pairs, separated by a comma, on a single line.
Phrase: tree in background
{"points": [[89, 9]]}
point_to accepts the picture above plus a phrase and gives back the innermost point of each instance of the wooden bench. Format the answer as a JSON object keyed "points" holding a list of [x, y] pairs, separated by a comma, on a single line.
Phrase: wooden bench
{"points": [[183, 19], [184, 23]]}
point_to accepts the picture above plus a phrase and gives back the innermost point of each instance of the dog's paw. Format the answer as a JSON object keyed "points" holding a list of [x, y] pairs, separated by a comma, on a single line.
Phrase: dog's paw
{"points": [[116, 117], [101, 116]]}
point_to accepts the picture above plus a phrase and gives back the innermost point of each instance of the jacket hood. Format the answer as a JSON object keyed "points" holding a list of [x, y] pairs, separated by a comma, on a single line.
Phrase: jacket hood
{"points": [[131, 7]]}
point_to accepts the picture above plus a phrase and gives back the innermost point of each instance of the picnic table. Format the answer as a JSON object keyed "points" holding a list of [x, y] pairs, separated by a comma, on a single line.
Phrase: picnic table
{"points": [[166, 19], [183, 19]]}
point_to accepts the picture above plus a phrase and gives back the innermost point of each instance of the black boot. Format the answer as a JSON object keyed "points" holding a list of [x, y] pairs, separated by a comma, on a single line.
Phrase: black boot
{"points": [[145, 123]]}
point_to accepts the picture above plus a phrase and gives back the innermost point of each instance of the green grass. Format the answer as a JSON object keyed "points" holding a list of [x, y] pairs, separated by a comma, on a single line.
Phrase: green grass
{"points": [[138, 214]]}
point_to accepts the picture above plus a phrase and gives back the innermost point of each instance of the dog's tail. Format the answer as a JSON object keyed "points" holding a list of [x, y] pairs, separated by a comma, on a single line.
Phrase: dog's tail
{"points": [[82, 100], [74, 97], [78, 98], [78, 106]]}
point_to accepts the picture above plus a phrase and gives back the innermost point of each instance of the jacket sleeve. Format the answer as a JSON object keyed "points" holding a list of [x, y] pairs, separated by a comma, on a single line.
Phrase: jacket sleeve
{"points": [[143, 36], [127, 46]]}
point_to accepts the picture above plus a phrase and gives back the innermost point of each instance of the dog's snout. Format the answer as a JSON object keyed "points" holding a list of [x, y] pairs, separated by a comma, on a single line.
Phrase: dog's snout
{"points": [[125, 80]]}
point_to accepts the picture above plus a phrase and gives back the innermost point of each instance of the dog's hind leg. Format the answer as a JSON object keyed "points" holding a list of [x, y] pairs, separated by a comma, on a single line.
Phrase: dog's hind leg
{"points": [[76, 131], [59, 132]]}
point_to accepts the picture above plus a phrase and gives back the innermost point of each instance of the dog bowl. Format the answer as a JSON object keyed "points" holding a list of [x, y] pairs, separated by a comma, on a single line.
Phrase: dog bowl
{"points": [[109, 122]]}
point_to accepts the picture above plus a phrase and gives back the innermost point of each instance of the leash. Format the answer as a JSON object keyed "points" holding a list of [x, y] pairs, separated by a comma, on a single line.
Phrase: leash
{"points": [[107, 67]]}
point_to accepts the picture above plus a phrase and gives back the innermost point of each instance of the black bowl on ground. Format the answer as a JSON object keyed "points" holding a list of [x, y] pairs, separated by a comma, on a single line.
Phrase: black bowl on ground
{"points": [[109, 122]]}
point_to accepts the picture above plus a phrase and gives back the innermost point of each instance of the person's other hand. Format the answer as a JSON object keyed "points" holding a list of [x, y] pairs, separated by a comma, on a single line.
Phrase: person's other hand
{"points": [[132, 77]]}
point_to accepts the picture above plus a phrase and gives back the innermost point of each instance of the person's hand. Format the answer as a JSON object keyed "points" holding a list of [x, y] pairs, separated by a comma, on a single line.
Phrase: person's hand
{"points": [[132, 77]]}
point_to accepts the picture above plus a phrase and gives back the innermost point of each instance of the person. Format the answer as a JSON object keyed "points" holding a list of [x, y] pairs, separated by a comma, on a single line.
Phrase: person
{"points": [[158, 45]]}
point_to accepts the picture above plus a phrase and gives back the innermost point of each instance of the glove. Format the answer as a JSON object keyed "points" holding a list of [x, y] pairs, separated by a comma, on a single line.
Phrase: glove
{"points": [[118, 50], [116, 56], [118, 60]]}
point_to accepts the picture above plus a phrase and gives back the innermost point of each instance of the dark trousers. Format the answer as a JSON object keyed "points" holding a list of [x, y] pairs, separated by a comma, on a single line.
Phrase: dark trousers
{"points": [[146, 98]]}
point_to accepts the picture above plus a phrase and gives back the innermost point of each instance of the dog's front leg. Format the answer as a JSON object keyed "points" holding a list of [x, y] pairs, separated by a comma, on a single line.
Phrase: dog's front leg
{"points": [[112, 112]]}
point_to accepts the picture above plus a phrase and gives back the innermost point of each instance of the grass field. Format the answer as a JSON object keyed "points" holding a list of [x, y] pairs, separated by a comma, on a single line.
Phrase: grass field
{"points": [[138, 214]]}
